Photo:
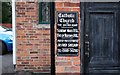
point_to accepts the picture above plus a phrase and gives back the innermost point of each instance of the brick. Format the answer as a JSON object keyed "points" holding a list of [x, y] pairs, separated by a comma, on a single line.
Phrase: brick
{"points": [[59, 69], [34, 52], [63, 63], [75, 58], [20, 19], [21, 8], [21, 13], [34, 57], [19, 3], [59, 58], [76, 63], [63, 9], [32, 67], [33, 36], [20, 32], [59, 4], [24, 62], [30, 13], [69, 4], [73, 69], [63, 58], [35, 63]]}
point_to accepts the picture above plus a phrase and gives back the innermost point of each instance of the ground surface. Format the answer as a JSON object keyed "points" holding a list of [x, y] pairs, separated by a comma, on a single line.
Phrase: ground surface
{"points": [[7, 63]]}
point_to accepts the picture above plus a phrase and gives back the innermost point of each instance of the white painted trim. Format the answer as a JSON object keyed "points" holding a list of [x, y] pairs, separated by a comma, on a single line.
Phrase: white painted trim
{"points": [[14, 32]]}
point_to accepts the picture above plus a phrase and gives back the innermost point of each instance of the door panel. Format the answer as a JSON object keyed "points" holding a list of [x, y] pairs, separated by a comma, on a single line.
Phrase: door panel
{"points": [[100, 28], [101, 38]]}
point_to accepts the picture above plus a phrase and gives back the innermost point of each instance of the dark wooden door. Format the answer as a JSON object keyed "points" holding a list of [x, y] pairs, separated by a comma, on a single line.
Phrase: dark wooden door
{"points": [[102, 38]]}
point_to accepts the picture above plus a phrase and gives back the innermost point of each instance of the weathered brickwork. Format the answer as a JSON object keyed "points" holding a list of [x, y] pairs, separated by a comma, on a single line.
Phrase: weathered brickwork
{"points": [[33, 43], [65, 64]]}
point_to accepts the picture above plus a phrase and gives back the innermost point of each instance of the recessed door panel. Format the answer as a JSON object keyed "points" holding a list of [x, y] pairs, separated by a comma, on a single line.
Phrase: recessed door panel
{"points": [[101, 38]]}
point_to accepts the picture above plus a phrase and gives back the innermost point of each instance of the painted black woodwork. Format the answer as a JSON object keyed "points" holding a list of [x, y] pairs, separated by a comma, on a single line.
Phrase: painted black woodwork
{"points": [[52, 47], [101, 43]]}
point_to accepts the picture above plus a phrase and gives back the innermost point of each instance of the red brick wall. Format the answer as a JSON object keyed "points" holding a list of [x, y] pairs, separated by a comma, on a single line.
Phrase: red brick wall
{"points": [[6, 25], [33, 42], [66, 64]]}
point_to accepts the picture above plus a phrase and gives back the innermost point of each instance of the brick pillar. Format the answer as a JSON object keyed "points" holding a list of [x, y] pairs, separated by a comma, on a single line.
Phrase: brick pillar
{"points": [[68, 64], [33, 41]]}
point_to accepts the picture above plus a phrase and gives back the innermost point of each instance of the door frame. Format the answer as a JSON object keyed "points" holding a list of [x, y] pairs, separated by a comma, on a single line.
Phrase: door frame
{"points": [[82, 40]]}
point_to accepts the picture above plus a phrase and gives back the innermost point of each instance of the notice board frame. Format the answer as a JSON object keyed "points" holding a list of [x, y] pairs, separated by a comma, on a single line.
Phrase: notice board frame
{"points": [[76, 18]]}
